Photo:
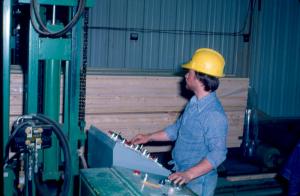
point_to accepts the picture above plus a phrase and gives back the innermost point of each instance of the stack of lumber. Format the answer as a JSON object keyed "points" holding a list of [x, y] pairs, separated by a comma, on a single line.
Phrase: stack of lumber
{"points": [[143, 104], [16, 96]]}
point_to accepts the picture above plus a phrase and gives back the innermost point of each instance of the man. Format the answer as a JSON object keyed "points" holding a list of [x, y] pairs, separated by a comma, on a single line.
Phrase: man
{"points": [[200, 132]]}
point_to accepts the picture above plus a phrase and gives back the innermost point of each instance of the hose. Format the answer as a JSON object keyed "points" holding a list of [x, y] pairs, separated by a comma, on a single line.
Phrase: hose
{"points": [[66, 151], [13, 134], [63, 143], [34, 14], [6, 163]]}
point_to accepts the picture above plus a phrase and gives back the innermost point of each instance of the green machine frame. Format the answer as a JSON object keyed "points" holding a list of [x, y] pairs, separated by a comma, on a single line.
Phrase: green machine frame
{"points": [[57, 61]]}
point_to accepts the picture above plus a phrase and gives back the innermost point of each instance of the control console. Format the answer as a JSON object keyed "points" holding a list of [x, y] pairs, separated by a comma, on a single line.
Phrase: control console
{"points": [[123, 181], [113, 150]]}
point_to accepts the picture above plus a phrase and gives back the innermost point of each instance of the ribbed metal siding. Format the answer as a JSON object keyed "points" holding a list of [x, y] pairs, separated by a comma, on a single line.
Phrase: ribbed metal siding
{"points": [[162, 48], [275, 57]]}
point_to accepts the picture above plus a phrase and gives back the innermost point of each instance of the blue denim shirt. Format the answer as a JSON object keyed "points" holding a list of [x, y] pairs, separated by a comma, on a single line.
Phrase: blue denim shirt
{"points": [[200, 132]]}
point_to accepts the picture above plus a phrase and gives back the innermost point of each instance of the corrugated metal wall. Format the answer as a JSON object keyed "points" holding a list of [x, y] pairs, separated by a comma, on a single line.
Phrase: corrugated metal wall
{"points": [[160, 35], [169, 31], [275, 57]]}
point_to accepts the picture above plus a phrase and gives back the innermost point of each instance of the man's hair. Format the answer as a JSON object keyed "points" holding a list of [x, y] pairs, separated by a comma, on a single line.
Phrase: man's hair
{"points": [[210, 83]]}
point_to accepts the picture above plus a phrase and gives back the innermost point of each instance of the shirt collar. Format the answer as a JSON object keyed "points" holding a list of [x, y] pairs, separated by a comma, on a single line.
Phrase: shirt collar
{"points": [[202, 102]]}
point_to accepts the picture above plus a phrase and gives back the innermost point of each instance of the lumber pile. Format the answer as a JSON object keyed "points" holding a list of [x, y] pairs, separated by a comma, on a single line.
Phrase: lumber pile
{"points": [[143, 104], [16, 96]]}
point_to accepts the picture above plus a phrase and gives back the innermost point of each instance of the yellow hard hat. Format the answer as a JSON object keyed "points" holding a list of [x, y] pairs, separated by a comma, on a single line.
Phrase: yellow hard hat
{"points": [[207, 61]]}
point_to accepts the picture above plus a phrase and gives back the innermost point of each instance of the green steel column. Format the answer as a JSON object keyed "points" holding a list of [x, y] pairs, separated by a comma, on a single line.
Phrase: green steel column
{"points": [[31, 95], [8, 175], [6, 68], [69, 121], [51, 109]]}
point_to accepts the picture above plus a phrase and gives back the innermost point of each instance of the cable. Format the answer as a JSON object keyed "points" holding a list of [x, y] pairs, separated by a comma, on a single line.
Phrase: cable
{"points": [[34, 8], [240, 32], [6, 163], [34, 14], [66, 151], [142, 30], [13, 134]]}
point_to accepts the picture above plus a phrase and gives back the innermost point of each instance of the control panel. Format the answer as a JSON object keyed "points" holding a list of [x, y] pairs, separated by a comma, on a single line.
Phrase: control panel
{"points": [[123, 181], [113, 150]]}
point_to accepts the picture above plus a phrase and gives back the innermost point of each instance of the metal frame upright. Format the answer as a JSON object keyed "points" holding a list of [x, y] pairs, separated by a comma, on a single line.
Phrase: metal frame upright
{"points": [[48, 58]]}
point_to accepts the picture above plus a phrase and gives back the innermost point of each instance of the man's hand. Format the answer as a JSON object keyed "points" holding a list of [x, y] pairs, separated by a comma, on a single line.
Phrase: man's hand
{"points": [[144, 138], [140, 139], [200, 169], [181, 178]]}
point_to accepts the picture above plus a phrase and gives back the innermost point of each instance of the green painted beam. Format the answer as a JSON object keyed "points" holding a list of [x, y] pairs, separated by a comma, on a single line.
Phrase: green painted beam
{"points": [[31, 97], [8, 175], [74, 87], [6, 68]]}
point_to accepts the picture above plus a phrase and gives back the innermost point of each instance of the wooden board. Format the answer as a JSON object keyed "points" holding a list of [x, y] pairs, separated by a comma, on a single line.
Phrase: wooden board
{"points": [[129, 94], [251, 177]]}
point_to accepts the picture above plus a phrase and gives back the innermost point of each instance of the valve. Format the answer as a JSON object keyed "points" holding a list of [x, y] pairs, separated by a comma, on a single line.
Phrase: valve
{"points": [[32, 136]]}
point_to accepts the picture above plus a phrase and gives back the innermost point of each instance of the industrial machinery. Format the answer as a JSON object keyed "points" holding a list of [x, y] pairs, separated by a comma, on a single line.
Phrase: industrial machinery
{"points": [[119, 166], [48, 39], [43, 147]]}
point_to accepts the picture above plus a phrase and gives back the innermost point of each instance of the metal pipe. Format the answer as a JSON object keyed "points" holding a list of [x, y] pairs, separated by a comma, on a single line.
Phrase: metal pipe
{"points": [[51, 105], [53, 15]]}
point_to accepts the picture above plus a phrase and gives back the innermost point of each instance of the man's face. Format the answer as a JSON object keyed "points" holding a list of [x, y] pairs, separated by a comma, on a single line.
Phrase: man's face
{"points": [[190, 79]]}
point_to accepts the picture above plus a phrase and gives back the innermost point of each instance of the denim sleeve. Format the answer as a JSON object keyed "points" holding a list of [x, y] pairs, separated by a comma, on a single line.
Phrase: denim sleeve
{"points": [[172, 130], [216, 136]]}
